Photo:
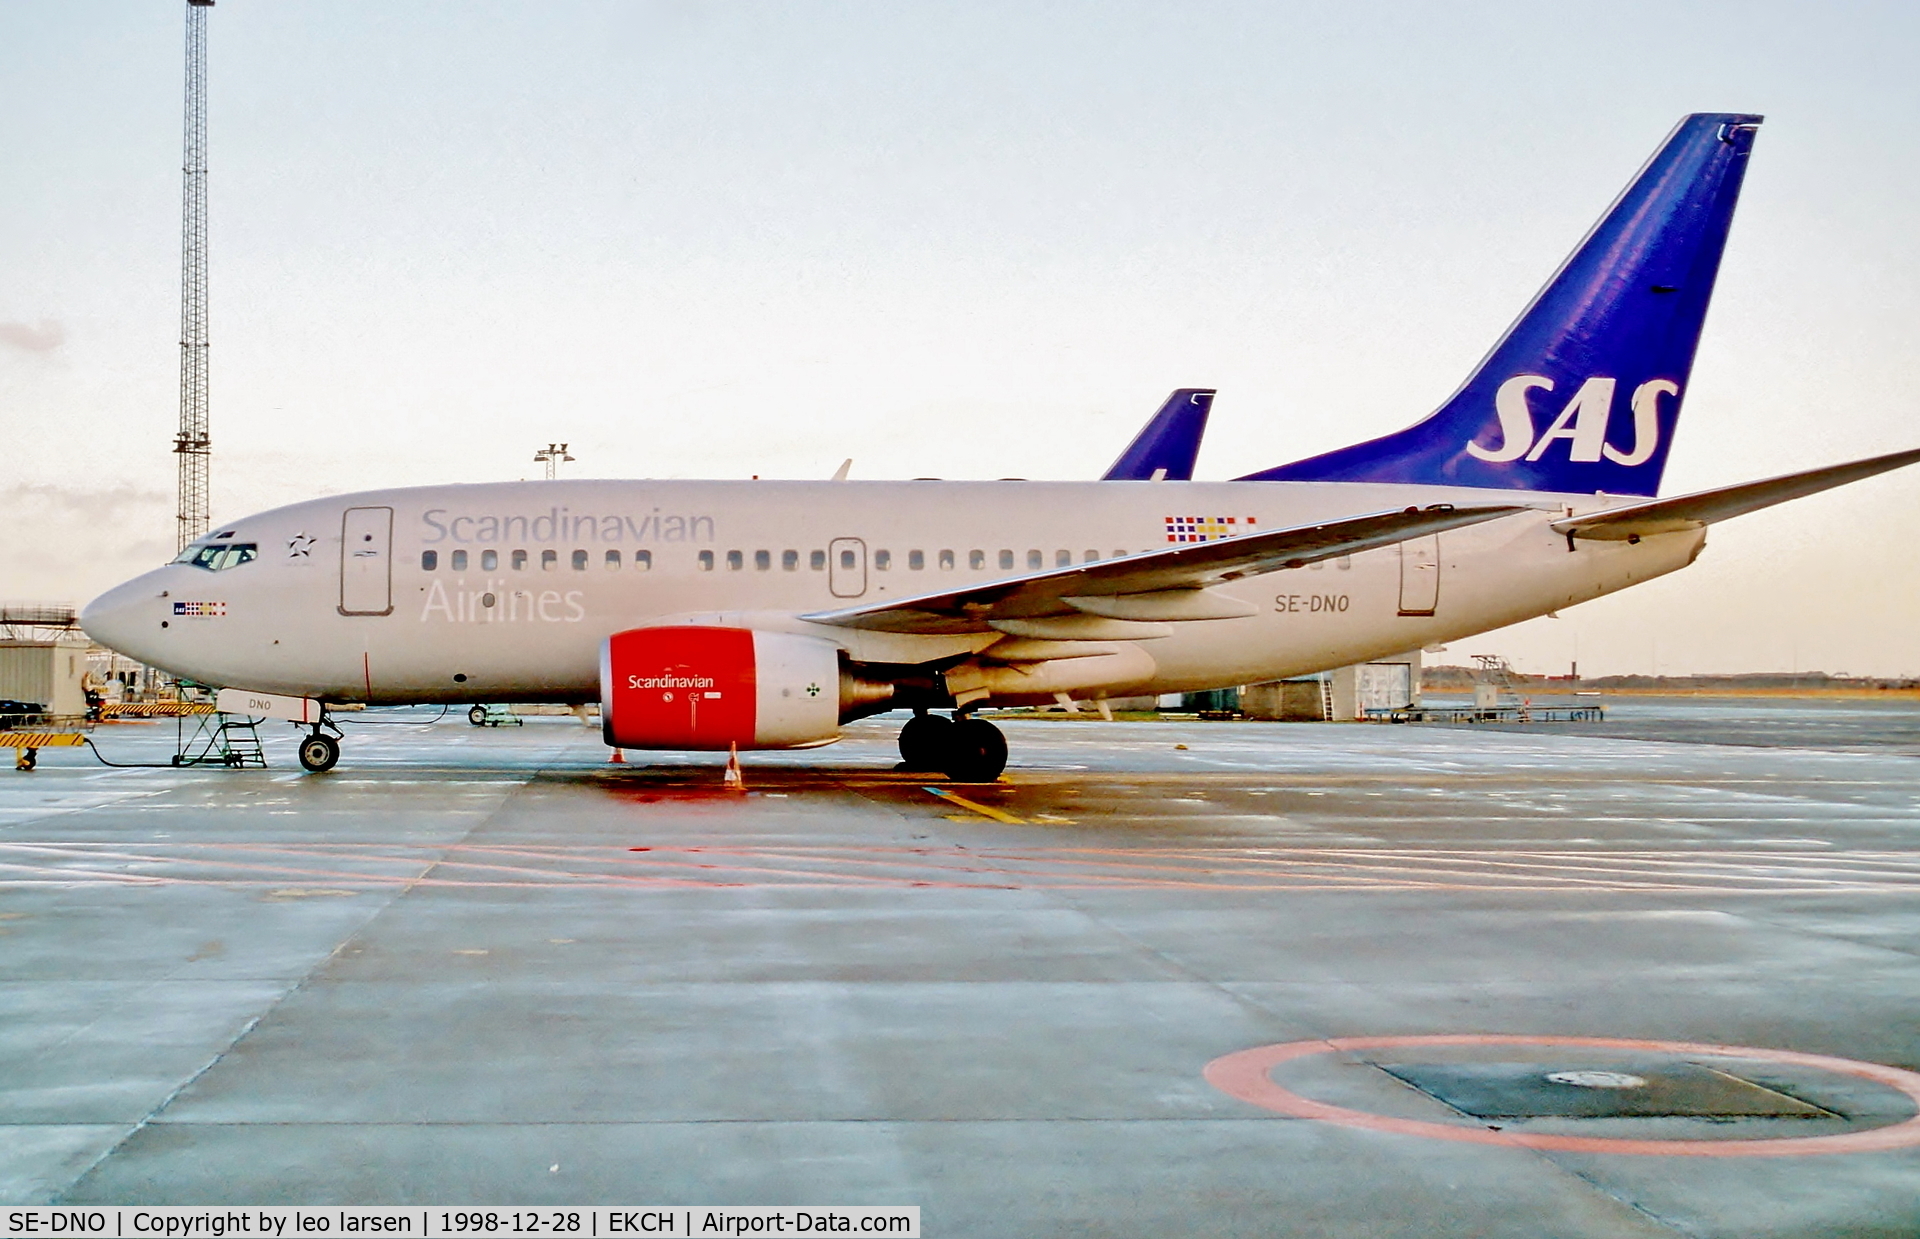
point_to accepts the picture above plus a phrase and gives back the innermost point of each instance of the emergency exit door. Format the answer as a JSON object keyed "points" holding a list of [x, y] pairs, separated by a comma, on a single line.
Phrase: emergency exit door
{"points": [[366, 562], [1420, 575], [847, 567]]}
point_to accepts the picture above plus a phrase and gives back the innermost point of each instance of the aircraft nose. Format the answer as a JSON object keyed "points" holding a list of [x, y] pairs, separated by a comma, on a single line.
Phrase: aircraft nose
{"points": [[125, 618]]}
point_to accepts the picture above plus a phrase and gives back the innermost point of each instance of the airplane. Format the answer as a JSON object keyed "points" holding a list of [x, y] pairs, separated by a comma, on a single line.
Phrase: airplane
{"points": [[723, 615]]}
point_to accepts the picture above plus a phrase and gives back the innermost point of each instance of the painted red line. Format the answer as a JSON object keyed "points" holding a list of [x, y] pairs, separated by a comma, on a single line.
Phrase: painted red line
{"points": [[1245, 1074]]}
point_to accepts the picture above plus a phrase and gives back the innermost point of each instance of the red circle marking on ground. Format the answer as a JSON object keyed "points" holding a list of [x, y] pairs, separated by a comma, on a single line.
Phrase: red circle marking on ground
{"points": [[1244, 1074]]}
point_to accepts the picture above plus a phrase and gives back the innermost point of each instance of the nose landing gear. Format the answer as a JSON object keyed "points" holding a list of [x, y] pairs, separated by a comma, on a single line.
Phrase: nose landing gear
{"points": [[320, 752], [965, 749]]}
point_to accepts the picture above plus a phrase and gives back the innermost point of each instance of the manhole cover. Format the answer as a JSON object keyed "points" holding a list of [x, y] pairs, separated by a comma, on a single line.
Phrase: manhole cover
{"points": [[1636, 1090]]}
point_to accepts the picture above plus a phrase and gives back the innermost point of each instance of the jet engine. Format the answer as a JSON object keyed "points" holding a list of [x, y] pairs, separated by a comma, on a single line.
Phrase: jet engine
{"points": [[691, 687]]}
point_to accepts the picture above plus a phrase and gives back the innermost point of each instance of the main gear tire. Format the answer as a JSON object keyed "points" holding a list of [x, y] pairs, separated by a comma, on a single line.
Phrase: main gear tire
{"points": [[923, 742], [976, 752]]}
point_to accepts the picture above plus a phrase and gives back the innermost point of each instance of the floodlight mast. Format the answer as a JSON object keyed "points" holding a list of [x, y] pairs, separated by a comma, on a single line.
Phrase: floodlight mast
{"points": [[192, 444], [552, 454]]}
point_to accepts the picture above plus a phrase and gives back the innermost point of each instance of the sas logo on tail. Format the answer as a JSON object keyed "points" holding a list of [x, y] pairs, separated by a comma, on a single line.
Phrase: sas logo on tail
{"points": [[1582, 422]]}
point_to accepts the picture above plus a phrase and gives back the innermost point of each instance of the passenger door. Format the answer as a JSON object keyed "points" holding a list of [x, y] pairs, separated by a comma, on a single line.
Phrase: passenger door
{"points": [[366, 568], [847, 567], [1420, 575]]}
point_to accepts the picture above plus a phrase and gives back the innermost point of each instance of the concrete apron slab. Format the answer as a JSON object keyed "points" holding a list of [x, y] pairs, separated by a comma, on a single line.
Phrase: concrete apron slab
{"points": [[481, 966]]}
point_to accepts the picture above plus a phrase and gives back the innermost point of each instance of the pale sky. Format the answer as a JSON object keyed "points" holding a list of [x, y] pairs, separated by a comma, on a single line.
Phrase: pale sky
{"points": [[966, 240]]}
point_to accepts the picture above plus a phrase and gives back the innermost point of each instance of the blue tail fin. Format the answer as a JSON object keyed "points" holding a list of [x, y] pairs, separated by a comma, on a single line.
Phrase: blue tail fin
{"points": [[1168, 445], [1583, 393]]}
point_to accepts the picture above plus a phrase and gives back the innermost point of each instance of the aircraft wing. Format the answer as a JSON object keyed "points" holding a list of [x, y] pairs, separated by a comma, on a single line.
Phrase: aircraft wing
{"points": [[1641, 520], [1162, 585]]}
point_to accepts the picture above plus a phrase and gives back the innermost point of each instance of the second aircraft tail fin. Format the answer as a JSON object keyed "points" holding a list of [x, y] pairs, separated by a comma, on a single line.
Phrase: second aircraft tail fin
{"points": [[1166, 446]]}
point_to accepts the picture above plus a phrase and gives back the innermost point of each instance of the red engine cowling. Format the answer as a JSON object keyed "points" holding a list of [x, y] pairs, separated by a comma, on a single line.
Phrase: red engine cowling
{"points": [[694, 687]]}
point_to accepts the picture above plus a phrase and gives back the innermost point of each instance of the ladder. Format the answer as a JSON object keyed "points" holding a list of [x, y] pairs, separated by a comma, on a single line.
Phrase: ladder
{"points": [[1495, 671], [220, 740]]}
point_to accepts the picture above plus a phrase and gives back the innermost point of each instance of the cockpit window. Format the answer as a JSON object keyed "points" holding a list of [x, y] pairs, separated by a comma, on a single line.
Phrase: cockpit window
{"points": [[221, 556]]}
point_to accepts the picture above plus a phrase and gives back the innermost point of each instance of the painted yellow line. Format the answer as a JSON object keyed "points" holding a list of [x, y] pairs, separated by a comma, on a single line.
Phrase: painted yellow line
{"points": [[981, 809]]}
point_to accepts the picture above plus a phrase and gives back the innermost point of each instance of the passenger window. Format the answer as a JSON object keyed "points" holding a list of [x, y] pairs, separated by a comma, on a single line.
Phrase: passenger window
{"points": [[916, 560], [1344, 563], [549, 560], [1035, 559], [817, 560], [735, 561], [882, 560], [1317, 565], [613, 561], [1093, 557], [846, 560], [762, 560], [1006, 559], [706, 561], [458, 561], [579, 561], [429, 560], [489, 560], [976, 560], [1063, 559], [643, 561], [789, 561], [946, 561], [519, 561], [1119, 554]]}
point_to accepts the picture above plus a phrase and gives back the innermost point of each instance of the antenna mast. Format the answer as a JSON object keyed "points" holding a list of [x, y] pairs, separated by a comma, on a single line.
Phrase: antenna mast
{"points": [[192, 443]]}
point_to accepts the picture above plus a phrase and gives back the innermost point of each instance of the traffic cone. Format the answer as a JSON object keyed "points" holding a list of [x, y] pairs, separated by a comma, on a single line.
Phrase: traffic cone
{"points": [[733, 781], [618, 758]]}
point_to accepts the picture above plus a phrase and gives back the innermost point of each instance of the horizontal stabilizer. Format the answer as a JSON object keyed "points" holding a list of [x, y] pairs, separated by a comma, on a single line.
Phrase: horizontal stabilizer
{"points": [[1066, 591], [1643, 520]]}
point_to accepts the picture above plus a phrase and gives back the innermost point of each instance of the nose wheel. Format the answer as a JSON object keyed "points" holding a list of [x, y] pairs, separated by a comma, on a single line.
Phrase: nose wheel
{"points": [[966, 750], [319, 753]]}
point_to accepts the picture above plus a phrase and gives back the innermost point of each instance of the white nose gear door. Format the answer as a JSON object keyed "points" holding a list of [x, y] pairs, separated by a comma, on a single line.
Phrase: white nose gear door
{"points": [[1420, 575], [366, 562]]}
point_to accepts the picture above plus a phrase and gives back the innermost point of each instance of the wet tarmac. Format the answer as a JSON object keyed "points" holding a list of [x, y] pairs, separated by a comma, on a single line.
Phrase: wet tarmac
{"points": [[1556, 982], [1856, 724]]}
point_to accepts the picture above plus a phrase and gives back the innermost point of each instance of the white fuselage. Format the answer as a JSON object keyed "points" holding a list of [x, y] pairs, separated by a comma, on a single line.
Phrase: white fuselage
{"points": [[505, 591]]}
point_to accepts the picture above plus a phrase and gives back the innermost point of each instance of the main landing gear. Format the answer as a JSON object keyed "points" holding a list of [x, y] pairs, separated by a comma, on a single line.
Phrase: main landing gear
{"points": [[320, 752], [966, 750]]}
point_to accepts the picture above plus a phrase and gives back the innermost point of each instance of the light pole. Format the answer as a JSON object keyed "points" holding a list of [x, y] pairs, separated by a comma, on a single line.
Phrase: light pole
{"points": [[551, 455]]}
